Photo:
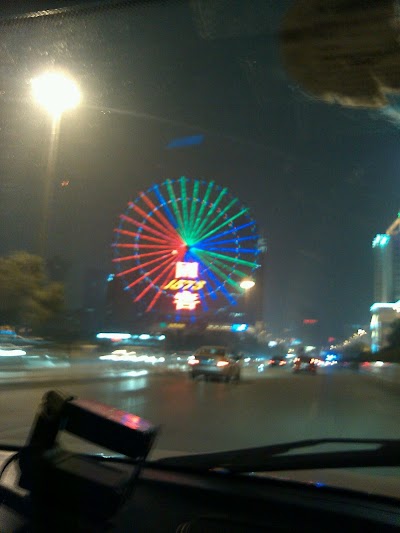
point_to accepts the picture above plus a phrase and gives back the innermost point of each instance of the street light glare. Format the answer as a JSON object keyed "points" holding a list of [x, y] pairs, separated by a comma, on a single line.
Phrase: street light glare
{"points": [[247, 284], [55, 92]]}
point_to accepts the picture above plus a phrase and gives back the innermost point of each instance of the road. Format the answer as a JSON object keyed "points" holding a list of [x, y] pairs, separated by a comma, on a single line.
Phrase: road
{"points": [[273, 407]]}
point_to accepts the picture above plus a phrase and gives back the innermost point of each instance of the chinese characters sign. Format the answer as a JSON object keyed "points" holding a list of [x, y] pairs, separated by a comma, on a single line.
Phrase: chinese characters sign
{"points": [[186, 283], [186, 300], [187, 270]]}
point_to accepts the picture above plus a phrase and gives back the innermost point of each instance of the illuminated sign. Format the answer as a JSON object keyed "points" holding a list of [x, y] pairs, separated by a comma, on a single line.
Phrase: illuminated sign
{"points": [[187, 270], [239, 327], [176, 325], [186, 300], [185, 284]]}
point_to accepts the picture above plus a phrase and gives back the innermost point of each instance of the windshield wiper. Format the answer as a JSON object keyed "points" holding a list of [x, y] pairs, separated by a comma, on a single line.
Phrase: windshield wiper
{"points": [[385, 452]]}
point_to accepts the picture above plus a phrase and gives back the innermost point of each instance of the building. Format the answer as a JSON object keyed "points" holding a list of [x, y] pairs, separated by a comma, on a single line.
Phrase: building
{"points": [[383, 268], [386, 250], [383, 315]]}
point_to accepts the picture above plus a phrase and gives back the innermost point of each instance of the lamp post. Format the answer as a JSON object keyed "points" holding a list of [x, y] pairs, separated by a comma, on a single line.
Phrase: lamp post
{"points": [[56, 93], [247, 284]]}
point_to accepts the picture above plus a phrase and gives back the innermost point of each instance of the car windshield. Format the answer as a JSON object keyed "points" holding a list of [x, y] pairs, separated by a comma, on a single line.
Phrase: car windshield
{"points": [[188, 175]]}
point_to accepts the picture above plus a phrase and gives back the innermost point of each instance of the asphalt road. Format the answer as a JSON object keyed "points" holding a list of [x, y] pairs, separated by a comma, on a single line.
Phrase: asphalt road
{"points": [[202, 416]]}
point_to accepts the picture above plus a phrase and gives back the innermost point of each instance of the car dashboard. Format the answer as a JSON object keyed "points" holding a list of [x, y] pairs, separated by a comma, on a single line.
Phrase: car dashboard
{"points": [[175, 500]]}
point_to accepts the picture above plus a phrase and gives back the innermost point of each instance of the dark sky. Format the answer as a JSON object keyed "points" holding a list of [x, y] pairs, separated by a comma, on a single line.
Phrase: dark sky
{"points": [[320, 180]]}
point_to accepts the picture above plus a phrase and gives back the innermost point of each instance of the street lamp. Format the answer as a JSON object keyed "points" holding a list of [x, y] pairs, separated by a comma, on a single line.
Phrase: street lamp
{"points": [[247, 284], [56, 93]]}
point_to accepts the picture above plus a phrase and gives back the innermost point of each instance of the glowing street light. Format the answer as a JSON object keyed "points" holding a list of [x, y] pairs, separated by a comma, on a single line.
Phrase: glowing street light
{"points": [[55, 92], [247, 284]]}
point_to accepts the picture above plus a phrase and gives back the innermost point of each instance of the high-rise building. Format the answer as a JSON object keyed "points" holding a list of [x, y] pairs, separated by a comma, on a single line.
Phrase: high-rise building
{"points": [[383, 268], [386, 247], [386, 250], [394, 232]]}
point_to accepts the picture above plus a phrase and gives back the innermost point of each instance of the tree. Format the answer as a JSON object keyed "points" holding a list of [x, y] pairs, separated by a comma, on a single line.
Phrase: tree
{"points": [[27, 297]]}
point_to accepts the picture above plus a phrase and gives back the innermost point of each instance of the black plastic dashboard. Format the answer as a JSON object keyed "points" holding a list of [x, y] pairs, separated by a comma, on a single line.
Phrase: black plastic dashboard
{"points": [[176, 501]]}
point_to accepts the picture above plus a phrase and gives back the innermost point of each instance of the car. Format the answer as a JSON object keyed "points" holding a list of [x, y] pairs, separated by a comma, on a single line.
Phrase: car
{"points": [[307, 364], [277, 361], [215, 362]]}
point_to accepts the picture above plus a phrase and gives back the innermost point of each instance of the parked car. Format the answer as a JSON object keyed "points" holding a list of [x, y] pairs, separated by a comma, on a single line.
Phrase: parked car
{"points": [[215, 362]]}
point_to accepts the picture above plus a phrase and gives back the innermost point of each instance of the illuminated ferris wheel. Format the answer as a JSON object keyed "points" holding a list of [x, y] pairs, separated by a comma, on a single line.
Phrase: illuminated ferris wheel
{"points": [[186, 240]]}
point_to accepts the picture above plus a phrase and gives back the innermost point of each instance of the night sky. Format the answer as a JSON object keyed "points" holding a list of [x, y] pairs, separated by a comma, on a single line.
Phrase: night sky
{"points": [[320, 180]]}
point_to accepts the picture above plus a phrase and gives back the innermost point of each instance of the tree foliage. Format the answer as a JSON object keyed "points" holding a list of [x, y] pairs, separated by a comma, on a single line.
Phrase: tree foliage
{"points": [[27, 297]]}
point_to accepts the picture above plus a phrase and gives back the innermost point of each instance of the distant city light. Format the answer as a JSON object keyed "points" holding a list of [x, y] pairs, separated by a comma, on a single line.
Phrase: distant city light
{"points": [[271, 344], [380, 240], [113, 336], [110, 277], [161, 337], [384, 305], [144, 337], [11, 352], [239, 327]]}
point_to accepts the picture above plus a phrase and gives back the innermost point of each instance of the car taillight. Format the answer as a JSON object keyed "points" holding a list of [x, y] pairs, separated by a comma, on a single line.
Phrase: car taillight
{"points": [[193, 362], [222, 363]]}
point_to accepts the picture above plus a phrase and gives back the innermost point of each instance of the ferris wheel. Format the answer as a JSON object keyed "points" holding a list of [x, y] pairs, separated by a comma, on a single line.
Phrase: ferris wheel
{"points": [[186, 240]]}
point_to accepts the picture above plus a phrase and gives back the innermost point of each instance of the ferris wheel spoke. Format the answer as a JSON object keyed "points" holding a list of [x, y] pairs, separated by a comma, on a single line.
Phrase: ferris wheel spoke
{"points": [[211, 211], [217, 270], [203, 205], [229, 268], [165, 274], [164, 205], [206, 245], [147, 274], [157, 212], [219, 284], [236, 250], [230, 259], [175, 207], [235, 229], [207, 227], [225, 223], [142, 265], [211, 264], [144, 226], [160, 291], [137, 256], [141, 236], [150, 219], [195, 200], [185, 210]]}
